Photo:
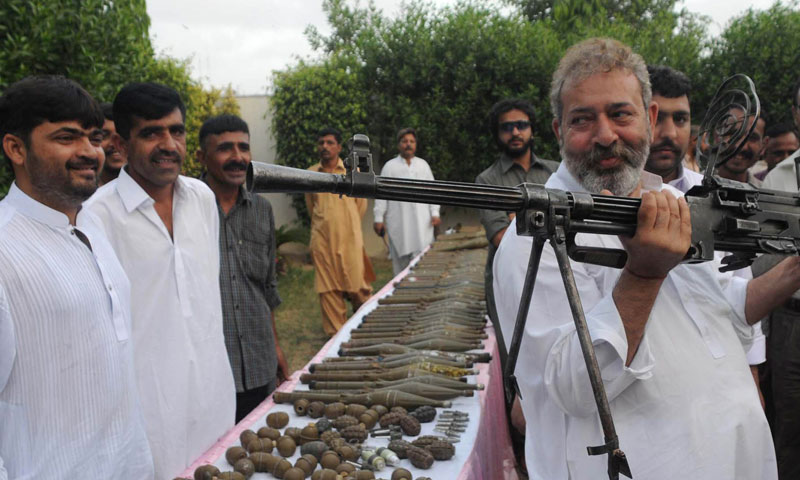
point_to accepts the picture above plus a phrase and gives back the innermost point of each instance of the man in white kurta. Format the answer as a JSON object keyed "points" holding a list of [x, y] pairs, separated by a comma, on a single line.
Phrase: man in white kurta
{"points": [[668, 342], [409, 225], [182, 367], [68, 401], [685, 408]]}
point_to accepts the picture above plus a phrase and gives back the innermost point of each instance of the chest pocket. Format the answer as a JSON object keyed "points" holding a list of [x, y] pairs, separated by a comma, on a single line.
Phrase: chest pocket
{"points": [[253, 253]]}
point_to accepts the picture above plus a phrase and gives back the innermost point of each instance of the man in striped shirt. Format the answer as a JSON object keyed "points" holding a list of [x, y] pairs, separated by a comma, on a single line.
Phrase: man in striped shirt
{"points": [[69, 406]]}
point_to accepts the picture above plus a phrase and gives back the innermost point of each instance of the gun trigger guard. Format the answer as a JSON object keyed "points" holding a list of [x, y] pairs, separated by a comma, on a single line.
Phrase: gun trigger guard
{"points": [[605, 257], [736, 262]]}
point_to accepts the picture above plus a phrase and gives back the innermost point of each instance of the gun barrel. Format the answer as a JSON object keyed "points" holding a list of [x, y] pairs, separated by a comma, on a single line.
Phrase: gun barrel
{"points": [[620, 211]]}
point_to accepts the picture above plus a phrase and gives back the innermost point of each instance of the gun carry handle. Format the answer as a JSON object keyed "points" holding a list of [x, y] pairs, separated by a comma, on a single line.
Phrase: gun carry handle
{"points": [[605, 257]]}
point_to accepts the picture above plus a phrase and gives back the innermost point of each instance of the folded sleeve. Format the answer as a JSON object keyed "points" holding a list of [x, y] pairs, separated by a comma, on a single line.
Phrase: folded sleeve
{"points": [[566, 375]]}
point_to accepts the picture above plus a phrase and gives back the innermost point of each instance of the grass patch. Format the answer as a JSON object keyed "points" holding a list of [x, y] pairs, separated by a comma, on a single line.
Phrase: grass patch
{"points": [[298, 319]]}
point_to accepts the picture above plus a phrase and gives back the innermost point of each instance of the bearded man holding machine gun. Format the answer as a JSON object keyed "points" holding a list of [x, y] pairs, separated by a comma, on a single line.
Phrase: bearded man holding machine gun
{"points": [[667, 340]]}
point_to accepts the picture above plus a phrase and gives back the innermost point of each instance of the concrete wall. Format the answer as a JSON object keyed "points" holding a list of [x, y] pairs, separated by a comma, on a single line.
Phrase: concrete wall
{"points": [[257, 112]]}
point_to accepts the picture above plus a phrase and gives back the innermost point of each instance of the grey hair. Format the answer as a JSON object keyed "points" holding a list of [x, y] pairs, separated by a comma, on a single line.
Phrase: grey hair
{"points": [[593, 56]]}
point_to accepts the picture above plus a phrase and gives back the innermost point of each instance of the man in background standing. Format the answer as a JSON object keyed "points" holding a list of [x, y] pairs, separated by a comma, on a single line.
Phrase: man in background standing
{"points": [[69, 407], [784, 175], [114, 159], [409, 225], [671, 139], [738, 167], [247, 278], [781, 141], [511, 123], [164, 228], [342, 268]]}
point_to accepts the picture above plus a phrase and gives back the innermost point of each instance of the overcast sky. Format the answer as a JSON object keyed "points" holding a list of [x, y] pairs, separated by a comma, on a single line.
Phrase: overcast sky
{"points": [[240, 42]]}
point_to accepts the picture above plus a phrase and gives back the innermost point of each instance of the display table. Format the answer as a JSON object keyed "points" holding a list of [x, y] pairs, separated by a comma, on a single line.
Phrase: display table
{"points": [[484, 451]]}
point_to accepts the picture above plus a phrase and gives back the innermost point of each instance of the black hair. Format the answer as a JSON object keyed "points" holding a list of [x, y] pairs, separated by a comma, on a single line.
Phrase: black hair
{"points": [[778, 129], [668, 82], [108, 110], [506, 105], [330, 131], [221, 124], [149, 101], [35, 100], [405, 131]]}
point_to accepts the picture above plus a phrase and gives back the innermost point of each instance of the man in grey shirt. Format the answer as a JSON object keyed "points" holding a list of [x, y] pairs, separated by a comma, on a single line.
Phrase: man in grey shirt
{"points": [[247, 263], [510, 121]]}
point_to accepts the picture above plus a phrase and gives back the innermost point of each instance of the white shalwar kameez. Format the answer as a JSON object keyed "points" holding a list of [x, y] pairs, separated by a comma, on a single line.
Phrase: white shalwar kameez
{"points": [[68, 401], [407, 224], [182, 367], [686, 407]]}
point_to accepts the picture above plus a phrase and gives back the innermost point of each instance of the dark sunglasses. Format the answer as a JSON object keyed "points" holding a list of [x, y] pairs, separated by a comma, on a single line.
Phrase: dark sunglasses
{"points": [[520, 125]]}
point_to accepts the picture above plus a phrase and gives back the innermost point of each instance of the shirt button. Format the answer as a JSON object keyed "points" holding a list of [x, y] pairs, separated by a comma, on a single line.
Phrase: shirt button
{"points": [[233, 277], [236, 306], [109, 287]]}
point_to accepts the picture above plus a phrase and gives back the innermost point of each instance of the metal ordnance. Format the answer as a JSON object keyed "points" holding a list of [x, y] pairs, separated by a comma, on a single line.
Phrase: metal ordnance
{"points": [[436, 342], [386, 363], [438, 380], [389, 399], [422, 389], [390, 348], [387, 374]]}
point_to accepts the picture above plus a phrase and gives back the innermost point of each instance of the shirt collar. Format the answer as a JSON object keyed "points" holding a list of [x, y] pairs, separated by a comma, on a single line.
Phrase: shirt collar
{"points": [[506, 162], [134, 196], [243, 197], [339, 166], [28, 206]]}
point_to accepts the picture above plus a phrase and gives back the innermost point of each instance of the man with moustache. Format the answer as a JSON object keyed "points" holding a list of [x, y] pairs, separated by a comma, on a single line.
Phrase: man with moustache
{"points": [[781, 141], [342, 269], [784, 175], [738, 167], [783, 349], [114, 159], [668, 342], [671, 137], [164, 228], [248, 280], [409, 225], [672, 133], [511, 124], [69, 407]]}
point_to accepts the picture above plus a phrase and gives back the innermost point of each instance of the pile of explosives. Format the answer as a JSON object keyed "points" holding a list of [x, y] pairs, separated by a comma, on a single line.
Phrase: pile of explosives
{"points": [[409, 356]]}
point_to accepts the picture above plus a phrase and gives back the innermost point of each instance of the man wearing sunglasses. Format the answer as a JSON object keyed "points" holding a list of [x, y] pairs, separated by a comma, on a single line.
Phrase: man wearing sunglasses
{"points": [[510, 122]]}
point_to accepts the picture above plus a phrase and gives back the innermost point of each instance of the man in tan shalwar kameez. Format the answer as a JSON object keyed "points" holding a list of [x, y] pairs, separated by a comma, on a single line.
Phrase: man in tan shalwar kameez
{"points": [[343, 269]]}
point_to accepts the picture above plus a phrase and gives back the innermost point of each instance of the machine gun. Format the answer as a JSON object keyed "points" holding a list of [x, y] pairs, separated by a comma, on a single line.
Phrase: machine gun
{"points": [[726, 216]]}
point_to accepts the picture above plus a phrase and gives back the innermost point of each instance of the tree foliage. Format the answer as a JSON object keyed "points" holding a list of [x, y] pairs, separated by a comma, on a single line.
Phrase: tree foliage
{"points": [[762, 45], [309, 98], [440, 70], [102, 44]]}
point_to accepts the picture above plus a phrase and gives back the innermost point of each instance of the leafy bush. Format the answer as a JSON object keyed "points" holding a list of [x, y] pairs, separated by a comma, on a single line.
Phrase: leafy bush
{"points": [[102, 44]]}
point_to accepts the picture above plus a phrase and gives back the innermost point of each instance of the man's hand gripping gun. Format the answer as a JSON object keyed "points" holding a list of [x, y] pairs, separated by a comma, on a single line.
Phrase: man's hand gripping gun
{"points": [[726, 216]]}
